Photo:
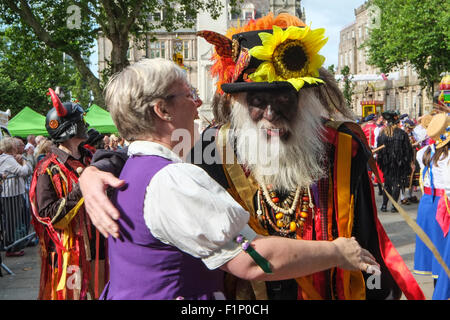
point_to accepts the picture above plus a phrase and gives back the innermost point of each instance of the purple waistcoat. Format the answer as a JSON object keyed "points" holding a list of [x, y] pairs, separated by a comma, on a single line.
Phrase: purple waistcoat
{"points": [[141, 266]]}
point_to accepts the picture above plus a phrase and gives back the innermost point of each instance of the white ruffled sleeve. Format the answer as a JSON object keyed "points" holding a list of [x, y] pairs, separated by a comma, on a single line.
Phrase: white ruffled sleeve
{"points": [[186, 208]]}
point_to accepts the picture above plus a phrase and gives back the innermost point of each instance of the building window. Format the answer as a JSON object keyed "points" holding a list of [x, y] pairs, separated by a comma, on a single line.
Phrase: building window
{"points": [[359, 32], [353, 34], [156, 16], [157, 49], [248, 15], [186, 47]]}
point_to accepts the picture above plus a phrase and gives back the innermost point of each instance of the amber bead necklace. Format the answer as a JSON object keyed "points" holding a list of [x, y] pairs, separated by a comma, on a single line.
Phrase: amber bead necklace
{"points": [[290, 217]]}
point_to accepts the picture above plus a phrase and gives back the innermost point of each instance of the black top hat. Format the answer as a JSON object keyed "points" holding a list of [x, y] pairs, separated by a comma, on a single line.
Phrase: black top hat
{"points": [[391, 117], [94, 137], [273, 59]]}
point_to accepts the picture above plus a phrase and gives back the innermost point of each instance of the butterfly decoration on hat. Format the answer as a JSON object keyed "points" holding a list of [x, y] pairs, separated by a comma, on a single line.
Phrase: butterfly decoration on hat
{"points": [[268, 59]]}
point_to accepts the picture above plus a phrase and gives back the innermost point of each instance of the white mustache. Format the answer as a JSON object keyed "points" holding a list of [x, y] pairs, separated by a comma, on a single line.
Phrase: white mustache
{"points": [[285, 165]]}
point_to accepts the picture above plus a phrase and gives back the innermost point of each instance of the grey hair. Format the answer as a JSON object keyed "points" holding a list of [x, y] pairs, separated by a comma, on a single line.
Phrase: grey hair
{"points": [[8, 145], [131, 94], [331, 97]]}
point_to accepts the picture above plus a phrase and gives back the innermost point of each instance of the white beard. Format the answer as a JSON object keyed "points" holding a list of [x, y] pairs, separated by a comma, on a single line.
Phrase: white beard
{"points": [[283, 165]]}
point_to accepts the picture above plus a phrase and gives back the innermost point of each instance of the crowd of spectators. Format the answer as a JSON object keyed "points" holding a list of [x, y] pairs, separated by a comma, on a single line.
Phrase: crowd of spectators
{"points": [[18, 158]]}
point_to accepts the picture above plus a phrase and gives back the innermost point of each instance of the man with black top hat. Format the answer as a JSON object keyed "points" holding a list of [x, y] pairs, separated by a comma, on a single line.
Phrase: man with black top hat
{"points": [[68, 240], [395, 158], [299, 174]]}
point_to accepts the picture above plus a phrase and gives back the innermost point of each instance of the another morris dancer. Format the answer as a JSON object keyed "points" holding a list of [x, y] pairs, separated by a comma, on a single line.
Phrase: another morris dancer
{"points": [[69, 242], [395, 159], [273, 95], [369, 129], [442, 288], [435, 161]]}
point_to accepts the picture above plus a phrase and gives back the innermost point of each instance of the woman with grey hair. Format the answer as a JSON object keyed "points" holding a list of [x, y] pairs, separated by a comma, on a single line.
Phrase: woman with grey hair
{"points": [[13, 169], [179, 229]]}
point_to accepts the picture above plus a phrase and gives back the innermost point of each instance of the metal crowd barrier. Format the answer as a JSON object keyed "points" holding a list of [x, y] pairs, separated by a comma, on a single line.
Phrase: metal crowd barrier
{"points": [[15, 214]]}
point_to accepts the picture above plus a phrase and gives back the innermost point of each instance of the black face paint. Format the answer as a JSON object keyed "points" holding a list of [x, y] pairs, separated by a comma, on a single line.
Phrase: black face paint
{"points": [[283, 104]]}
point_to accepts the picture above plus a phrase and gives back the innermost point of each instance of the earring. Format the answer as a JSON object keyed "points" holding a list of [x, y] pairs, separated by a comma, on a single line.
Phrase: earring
{"points": [[168, 118]]}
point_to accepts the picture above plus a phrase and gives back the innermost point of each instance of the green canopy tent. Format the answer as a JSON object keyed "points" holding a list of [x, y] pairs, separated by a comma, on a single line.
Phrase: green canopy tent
{"points": [[100, 120], [27, 122]]}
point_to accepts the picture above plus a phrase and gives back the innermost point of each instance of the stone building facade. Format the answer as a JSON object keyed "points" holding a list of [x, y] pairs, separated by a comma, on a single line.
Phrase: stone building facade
{"points": [[400, 90]]}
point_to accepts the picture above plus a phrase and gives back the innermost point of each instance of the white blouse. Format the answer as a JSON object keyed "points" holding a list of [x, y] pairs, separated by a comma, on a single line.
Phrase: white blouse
{"points": [[441, 172], [184, 207], [10, 167]]}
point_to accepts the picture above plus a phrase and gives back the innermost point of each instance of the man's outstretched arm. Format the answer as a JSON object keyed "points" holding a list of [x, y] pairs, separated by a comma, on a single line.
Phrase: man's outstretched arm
{"points": [[94, 181]]}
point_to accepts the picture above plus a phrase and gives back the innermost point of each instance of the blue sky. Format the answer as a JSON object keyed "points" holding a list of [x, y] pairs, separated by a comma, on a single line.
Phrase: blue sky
{"points": [[333, 15]]}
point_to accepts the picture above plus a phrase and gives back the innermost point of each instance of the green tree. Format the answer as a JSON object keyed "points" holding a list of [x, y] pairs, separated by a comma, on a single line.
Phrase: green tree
{"points": [[73, 26], [349, 86], [28, 69], [413, 32], [332, 69]]}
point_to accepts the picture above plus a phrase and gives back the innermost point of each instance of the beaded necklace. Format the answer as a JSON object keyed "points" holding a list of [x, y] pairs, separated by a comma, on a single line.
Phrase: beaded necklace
{"points": [[289, 218]]}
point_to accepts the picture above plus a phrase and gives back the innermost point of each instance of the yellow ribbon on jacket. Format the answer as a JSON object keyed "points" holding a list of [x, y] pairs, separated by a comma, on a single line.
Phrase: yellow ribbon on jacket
{"points": [[241, 187], [65, 221], [353, 281], [66, 256]]}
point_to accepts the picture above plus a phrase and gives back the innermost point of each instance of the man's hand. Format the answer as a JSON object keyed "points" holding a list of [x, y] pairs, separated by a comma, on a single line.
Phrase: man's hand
{"points": [[93, 185], [353, 257]]}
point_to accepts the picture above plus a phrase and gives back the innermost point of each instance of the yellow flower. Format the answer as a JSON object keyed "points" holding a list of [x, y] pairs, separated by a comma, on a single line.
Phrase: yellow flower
{"points": [[289, 55]]}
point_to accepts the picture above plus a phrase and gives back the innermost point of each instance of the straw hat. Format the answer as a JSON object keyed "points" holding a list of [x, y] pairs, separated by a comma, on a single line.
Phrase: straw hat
{"points": [[439, 130], [425, 120]]}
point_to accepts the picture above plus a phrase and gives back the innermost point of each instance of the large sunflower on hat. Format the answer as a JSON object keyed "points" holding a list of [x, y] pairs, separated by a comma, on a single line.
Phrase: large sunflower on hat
{"points": [[289, 55]]}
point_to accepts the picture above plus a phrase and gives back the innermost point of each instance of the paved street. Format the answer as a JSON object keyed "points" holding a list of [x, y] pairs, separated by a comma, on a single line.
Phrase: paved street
{"points": [[24, 285]]}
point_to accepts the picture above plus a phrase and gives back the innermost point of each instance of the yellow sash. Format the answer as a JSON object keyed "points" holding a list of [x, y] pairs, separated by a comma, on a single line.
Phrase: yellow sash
{"points": [[241, 188], [353, 281]]}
